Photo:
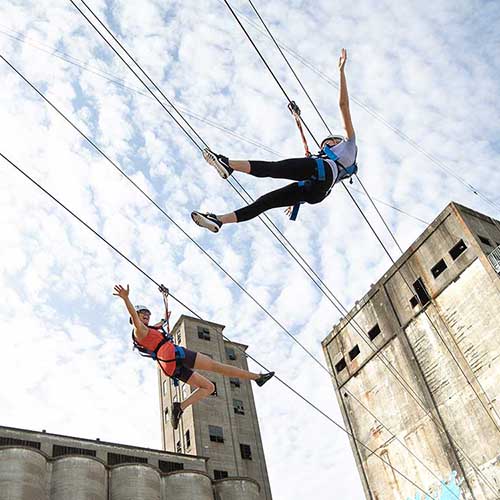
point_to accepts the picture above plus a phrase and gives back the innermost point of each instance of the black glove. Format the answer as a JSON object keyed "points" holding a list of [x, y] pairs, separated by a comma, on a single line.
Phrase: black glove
{"points": [[163, 289], [294, 109]]}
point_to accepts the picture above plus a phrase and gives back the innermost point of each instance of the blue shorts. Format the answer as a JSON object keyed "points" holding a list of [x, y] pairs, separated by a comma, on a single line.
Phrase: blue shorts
{"points": [[185, 366]]}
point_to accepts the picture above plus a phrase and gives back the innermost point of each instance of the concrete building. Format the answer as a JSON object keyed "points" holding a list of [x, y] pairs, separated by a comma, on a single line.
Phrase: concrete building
{"points": [[42, 466], [223, 427], [435, 318]]}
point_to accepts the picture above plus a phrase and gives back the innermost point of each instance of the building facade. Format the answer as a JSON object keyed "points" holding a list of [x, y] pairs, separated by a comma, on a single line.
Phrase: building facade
{"points": [[416, 366], [42, 466], [223, 427]]}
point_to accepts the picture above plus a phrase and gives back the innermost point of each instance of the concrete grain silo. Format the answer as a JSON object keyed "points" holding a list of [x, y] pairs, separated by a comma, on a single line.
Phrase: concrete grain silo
{"points": [[240, 488], [134, 481], [186, 485]]}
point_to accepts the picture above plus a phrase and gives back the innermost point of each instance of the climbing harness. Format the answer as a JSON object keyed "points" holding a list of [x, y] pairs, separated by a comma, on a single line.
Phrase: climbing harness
{"points": [[167, 337]]}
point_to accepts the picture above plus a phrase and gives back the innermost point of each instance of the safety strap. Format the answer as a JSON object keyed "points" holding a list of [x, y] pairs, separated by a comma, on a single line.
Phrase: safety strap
{"points": [[320, 176], [295, 110]]}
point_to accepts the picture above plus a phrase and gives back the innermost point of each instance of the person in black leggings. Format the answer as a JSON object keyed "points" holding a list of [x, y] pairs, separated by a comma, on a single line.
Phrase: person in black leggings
{"points": [[315, 186]]}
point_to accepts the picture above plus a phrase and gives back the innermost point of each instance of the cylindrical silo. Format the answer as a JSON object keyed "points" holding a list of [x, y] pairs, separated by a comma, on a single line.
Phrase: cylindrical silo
{"points": [[23, 474], [237, 489], [78, 478], [133, 481], [187, 485]]}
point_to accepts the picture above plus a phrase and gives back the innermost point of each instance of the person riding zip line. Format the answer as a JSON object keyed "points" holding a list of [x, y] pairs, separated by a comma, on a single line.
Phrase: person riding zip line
{"points": [[315, 175], [175, 361]]}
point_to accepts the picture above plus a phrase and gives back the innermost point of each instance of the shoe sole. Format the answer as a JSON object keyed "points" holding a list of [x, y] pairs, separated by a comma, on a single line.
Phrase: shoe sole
{"points": [[202, 221], [211, 159]]}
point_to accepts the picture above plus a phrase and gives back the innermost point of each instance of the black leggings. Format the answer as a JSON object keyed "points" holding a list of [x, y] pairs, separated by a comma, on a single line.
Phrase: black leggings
{"points": [[296, 169]]}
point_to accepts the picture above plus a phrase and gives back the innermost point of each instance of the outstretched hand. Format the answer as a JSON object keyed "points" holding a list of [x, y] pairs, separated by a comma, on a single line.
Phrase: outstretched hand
{"points": [[342, 59], [121, 292]]}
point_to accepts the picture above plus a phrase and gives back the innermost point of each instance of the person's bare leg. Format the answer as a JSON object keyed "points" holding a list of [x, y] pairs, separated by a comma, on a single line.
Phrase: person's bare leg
{"points": [[203, 389], [227, 218], [205, 363], [240, 165]]}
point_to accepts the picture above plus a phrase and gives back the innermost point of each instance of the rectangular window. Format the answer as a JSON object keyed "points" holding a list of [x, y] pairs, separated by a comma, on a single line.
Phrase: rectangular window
{"points": [[421, 292], [246, 452], [166, 466], [340, 365], [439, 268], [484, 240], [215, 390], [374, 332], [234, 381], [238, 407], [179, 338], [458, 250], [230, 353], [216, 434], [166, 415], [220, 474], [178, 447], [59, 451], [188, 440], [164, 387], [203, 333], [354, 352], [8, 441], [414, 301], [115, 459]]}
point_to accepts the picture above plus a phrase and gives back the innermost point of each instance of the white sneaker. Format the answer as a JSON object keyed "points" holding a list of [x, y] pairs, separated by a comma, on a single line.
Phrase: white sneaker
{"points": [[220, 162], [208, 221]]}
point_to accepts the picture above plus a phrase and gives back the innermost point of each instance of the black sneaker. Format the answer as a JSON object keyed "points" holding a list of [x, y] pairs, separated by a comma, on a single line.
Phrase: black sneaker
{"points": [[264, 378], [209, 221], [177, 412], [220, 162]]}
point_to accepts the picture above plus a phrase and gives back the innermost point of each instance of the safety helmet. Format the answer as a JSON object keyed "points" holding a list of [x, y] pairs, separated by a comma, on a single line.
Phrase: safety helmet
{"points": [[332, 137], [139, 308]]}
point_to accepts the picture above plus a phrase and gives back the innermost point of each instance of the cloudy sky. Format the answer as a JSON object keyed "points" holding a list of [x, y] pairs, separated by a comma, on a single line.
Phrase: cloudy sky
{"points": [[424, 83]]}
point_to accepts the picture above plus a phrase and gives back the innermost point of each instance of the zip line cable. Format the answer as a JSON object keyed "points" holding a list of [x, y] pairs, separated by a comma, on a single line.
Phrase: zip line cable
{"points": [[415, 145], [227, 274], [387, 227], [488, 412], [114, 248], [54, 52], [378, 238], [184, 119], [359, 402], [289, 66], [150, 200], [146, 85]]}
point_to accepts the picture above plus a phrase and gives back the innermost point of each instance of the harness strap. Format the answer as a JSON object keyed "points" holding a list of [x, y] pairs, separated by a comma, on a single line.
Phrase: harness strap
{"points": [[328, 152], [320, 169]]}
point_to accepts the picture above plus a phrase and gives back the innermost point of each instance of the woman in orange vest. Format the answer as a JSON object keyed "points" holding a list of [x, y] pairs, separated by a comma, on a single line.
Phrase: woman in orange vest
{"points": [[178, 362]]}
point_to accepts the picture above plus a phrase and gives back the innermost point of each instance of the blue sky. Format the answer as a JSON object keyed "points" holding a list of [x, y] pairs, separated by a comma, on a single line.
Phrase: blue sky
{"points": [[431, 73]]}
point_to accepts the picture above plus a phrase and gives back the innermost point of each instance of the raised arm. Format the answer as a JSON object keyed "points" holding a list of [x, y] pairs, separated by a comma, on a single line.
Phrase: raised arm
{"points": [[344, 97], [140, 329]]}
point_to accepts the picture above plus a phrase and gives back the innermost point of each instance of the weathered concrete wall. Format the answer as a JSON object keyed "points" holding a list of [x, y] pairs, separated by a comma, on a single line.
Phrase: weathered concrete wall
{"points": [[460, 320], [216, 410], [78, 478], [28, 474], [244, 489]]}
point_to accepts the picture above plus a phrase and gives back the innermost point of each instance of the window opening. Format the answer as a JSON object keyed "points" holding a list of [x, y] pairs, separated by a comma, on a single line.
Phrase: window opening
{"points": [[421, 291], [458, 250], [439, 268], [353, 353], [374, 332], [340, 365], [216, 433]]}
